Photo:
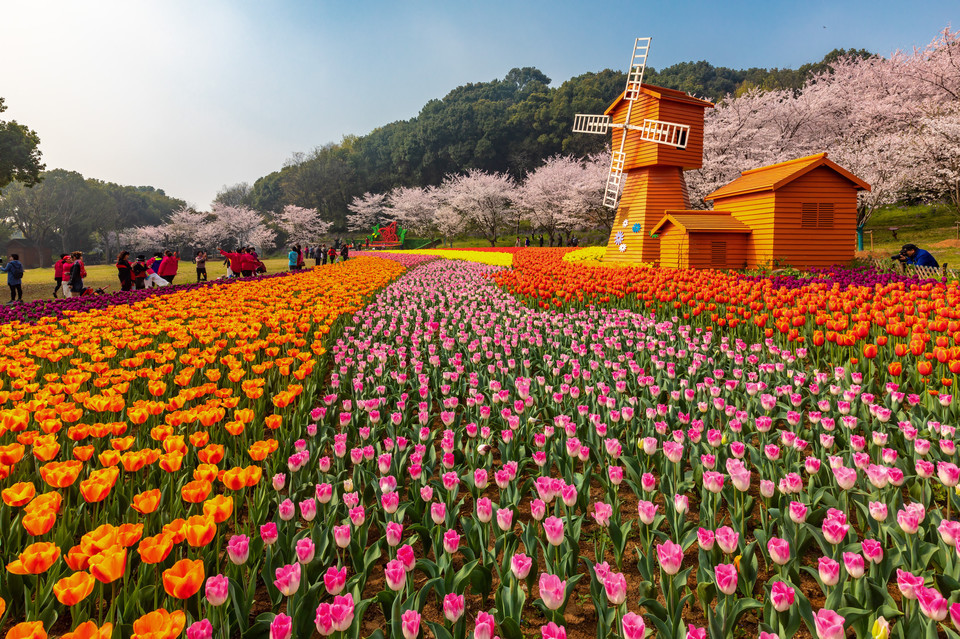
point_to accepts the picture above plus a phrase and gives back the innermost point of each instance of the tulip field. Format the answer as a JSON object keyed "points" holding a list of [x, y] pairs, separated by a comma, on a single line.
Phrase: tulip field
{"points": [[516, 443]]}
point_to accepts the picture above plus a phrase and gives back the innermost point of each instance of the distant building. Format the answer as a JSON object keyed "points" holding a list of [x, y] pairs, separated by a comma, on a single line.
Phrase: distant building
{"points": [[31, 255]]}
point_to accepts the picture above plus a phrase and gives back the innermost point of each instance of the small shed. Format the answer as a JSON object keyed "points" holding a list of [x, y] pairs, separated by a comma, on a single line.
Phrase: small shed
{"points": [[803, 213], [31, 254], [702, 239]]}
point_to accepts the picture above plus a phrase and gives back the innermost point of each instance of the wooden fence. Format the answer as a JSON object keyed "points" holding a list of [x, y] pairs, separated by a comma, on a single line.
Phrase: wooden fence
{"points": [[919, 271]]}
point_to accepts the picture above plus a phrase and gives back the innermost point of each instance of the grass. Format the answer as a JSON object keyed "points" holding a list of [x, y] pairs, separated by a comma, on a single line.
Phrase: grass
{"points": [[924, 225], [38, 282]]}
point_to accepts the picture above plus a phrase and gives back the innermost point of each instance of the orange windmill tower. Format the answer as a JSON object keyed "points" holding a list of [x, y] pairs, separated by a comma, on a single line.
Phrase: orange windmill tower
{"points": [[657, 135]]}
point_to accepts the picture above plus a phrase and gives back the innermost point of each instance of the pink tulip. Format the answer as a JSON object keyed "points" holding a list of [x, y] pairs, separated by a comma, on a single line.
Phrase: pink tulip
{"points": [[269, 534], [878, 510], [829, 624], [238, 549], [407, 557], [932, 603], [552, 591], [693, 632], [438, 512], [334, 580], [341, 535], [324, 493], [798, 512], [202, 629], [305, 550], [520, 565], [615, 586], [872, 550], [782, 596], [633, 626], [553, 529], [648, 482], [834, 530], [670, 556], [829, 571], [281, 627], [279, 481], [779, 550], [484, 510], [728, 539], [553, 631], [647, 511], [395, 575], [948, 473], [357, 516], [342, 612], [504, 519], [726, 575], [451, 541], [538, 509], [453, 605], [854, 564], [908, 583], [394, 534], [286, 510], [908, 520], [217, 590], [484, 627], [410, 624], [602, 513], [288, 579], [390, 502], [955, 614], [308, 509], [681, 503], [705, 538]]}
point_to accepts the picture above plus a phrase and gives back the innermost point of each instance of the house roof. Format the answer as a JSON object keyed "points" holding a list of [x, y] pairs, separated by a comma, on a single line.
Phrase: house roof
{"points": [[771, 178], [662, 93], [702, 222]]}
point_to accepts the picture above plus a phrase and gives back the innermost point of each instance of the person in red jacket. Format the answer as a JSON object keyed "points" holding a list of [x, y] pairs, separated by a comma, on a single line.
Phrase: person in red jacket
{"points": [[168, 266], [58, 267], [234, 268], [248, 262]]}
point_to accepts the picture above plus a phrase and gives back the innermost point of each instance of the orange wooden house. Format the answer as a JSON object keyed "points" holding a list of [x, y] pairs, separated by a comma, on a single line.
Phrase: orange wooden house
{"points": [[801, 213], [701, 239], [654, 172]]}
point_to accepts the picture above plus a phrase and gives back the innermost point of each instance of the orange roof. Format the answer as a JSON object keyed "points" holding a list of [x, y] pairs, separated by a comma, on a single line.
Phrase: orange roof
{"points": [[662, 93], [771, 178], [702, 222]]}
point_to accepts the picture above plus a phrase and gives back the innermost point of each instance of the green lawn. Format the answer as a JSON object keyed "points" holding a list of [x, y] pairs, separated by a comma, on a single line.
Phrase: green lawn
{"points": [[38, 282]]}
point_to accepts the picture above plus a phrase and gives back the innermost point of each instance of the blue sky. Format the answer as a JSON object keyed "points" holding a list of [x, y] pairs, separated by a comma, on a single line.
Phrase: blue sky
{"points": [[190, 95]]}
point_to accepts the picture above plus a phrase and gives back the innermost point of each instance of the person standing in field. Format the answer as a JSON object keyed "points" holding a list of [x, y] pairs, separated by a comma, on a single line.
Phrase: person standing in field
{"points": [[139, 270], [292, 258], [323, 255], [77, 272], [233, 262], [58, 266], [14, 271], [248, 262], [345, 252], [124, 271], [168, 266], [200, 259]]}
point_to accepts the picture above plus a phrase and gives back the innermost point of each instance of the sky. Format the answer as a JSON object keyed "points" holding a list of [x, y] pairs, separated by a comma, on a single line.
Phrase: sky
{"points": [[192, 95]]}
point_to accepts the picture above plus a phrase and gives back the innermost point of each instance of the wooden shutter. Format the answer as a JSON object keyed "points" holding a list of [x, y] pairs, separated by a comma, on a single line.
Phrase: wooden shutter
{"points": [[718, 254], [825, 215], [808, 215]]}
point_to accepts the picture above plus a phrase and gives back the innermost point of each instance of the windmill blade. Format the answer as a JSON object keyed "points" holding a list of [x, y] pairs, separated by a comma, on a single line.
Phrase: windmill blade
{"points": [[638, 63], [611, 193], [666, 133], [583, 123]]}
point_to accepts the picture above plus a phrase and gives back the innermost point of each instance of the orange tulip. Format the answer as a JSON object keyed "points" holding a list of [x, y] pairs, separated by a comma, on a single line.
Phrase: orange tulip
{"points": [[11, 454], [200, 439], [77, 558], [159, 624], [171, 462], [61, 474], [155, 549], [200, 530], [233, 478], [253, 475], [27, 630], [924, 368], [73, 589], [895, 368], [196, 491], [129, 534], [99, 539], [89, 630], [273, 421], [212, 454], [46, 501], [3, 607], [146, 502], [39, 522], [184, 578], [95, 490], [109, 565], [83, 453], [35, 559], [205, 472], [19, 494], [220, 507]]}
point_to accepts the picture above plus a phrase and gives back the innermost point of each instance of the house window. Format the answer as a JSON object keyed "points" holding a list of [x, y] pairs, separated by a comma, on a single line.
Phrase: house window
{"points": [[718, 254], [815, 215]]}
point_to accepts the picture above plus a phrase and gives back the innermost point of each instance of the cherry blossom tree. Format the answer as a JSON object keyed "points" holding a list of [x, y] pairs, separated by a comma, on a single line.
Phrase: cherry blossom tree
{"points": [[368, 211], [560, 195], [415, 208], [234, 226], [484, 201], [303, 226]]}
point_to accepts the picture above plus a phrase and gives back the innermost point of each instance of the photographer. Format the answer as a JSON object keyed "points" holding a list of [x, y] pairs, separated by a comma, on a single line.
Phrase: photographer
{"points": [[912, 254]]}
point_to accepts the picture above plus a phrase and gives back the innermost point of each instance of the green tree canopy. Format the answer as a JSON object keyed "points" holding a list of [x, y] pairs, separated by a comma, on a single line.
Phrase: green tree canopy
{"points": [[19, 153]]}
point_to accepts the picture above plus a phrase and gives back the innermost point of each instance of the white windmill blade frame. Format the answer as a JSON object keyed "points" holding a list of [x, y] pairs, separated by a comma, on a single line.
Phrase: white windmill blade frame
{"points": [[638, 64], [611, 193], [660, 132], [586, 123]]}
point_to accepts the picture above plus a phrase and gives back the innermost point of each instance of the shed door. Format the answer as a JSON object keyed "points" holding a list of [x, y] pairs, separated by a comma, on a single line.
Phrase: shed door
{"points": [[718, 254]]}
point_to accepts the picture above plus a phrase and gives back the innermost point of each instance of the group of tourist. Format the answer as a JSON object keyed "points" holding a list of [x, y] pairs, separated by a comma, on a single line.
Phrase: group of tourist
{"points": [[244, 262], [530, 240]]}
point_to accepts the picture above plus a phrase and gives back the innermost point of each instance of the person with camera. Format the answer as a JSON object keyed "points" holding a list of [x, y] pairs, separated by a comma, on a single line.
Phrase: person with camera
{"points": [[912, 254], [14, 271]]}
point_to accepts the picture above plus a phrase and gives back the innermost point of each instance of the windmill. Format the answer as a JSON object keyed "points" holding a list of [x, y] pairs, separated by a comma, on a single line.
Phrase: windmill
{"points": [[657, 134]]}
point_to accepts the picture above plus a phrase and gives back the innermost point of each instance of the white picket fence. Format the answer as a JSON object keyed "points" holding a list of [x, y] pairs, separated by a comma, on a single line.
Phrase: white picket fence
{"points": [[919, 271]]}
